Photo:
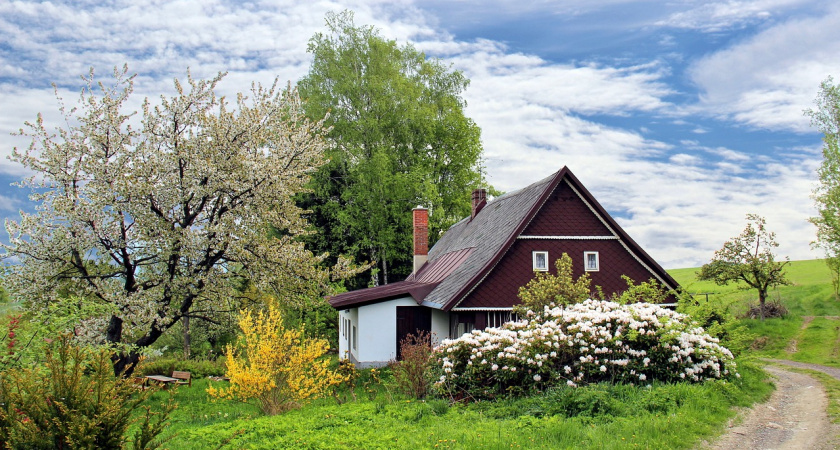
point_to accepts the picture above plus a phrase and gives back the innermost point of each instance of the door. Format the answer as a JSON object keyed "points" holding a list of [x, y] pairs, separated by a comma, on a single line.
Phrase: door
{"points": [[412, 320]]}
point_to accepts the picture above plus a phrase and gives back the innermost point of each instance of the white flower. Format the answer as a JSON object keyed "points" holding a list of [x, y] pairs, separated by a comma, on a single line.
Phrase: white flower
{"points": [[537, 378]]}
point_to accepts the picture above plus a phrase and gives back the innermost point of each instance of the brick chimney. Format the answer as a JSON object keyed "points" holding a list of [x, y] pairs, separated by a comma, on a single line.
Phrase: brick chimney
{"points": [[421, 237], [479, 199]]}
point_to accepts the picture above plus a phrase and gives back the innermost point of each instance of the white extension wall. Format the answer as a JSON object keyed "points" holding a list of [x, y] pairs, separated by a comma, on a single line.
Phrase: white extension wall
{"points": [[440, 326], [376, 328]]}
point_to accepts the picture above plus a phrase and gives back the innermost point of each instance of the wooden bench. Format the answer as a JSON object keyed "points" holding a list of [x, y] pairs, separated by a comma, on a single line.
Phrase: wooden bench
{"points": [[140, 383], [183, 377]]}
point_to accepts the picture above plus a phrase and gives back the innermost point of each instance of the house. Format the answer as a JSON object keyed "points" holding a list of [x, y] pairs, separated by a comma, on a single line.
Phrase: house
{"points": [[471, 277]]}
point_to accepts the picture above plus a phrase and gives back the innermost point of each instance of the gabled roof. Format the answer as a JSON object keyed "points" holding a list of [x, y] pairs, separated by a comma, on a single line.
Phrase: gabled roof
{"points": [[469, 250]]}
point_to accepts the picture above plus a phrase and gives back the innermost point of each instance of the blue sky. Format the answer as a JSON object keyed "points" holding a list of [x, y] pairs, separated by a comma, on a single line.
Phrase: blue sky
{"points": [[681, 117]]}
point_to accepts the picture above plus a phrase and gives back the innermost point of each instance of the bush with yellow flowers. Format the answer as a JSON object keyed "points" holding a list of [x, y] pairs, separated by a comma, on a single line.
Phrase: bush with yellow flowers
{"points": [[280, 368]]}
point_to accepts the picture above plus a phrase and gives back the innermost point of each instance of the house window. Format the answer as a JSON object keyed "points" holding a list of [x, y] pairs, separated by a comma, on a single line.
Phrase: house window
{"points": [[540, 261], [354, 338], [591, 261], [496, 319]]}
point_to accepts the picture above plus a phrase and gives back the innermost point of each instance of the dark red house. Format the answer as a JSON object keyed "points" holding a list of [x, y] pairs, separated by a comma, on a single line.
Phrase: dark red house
{"points": [[471, 277]]}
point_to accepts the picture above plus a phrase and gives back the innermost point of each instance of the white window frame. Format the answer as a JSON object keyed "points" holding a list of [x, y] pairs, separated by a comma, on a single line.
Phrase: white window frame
{"points": [[586, 262], [534, 258], [355, 339]]}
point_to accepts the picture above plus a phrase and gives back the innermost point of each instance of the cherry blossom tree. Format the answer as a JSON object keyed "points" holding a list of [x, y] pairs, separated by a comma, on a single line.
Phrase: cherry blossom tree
{"points": [[162, 216]]}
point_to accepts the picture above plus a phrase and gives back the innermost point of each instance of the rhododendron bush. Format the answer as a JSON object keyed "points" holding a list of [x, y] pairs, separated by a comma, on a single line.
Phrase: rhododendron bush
{"points": [[588, 342]]}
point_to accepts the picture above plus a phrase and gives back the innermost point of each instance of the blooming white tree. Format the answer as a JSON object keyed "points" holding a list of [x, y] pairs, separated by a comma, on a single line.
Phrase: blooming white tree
{"points": [[162, 219]]}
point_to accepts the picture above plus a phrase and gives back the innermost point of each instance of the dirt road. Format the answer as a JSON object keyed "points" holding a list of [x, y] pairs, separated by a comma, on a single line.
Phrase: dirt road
{"points": [[793, 418]]}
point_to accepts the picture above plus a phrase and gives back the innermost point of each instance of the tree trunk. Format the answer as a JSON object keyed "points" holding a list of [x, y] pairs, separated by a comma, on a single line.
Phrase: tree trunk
{"points": [[762, 297], [187, 342], [385, 270], [125, 363], [374, 276]]}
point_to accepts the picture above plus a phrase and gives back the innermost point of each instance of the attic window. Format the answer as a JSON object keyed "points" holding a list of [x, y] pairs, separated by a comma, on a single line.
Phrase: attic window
{"points": [[591, 261], [540, 261]]}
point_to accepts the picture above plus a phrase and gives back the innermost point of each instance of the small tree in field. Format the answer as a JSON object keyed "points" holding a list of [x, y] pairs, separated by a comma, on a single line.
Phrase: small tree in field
{"points": [[278, 367], [550, 290], [748, 258]]}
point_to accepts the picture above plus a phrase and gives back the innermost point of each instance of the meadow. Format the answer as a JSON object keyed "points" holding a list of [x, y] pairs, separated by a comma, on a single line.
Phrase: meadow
{"points": [[596, 416], [811, 330]]}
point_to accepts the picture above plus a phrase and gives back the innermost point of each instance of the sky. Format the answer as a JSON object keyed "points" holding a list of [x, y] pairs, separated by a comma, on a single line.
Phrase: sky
{"points": [[679, 116]]}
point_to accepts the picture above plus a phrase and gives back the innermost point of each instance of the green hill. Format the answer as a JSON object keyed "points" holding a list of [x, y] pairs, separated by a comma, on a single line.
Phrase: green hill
{"points": [[811, 331]]}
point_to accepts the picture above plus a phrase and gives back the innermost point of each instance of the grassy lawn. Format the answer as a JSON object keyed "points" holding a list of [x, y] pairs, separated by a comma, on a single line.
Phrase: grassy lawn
{"points": [[598, 416]]}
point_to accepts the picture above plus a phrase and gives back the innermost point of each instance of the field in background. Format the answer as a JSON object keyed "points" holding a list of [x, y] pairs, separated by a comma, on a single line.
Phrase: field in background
{"points": [[810, 333]]}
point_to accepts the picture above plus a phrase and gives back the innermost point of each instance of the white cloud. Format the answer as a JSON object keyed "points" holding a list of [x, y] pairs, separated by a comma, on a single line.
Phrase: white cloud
{"points": [[767, 80], [536, 116], [715, 16]]}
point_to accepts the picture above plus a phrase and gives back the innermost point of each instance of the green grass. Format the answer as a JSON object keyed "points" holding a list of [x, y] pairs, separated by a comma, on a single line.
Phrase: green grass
{"points": [[809, 296], [599, 416]]}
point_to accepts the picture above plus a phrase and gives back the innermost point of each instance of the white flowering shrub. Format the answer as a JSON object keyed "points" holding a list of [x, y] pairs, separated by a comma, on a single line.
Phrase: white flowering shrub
{"points": [[589, 342]]}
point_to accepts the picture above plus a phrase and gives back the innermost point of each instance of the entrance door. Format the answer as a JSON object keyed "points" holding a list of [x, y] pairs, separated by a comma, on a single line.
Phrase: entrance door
{"points": [[412, 320]]}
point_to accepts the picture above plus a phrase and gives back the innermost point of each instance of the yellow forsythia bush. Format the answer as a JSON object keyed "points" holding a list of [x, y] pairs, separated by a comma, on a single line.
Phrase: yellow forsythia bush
{"points": [[279, 368]]}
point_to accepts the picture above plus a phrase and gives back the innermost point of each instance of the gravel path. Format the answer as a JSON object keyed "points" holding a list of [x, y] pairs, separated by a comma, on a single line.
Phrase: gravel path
{"points": [[833, 371], [793, 418]]}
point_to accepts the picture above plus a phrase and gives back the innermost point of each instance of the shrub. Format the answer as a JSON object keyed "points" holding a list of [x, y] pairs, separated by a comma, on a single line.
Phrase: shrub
{"points": [[278, 367], [714, 316], [346, 388], [411, 373], [74, 400], [550, 290], [650, 291], [589, 342], [771, 310]]}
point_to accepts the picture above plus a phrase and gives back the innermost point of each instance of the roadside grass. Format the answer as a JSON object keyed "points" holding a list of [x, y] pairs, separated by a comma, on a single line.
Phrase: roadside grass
{"points": [[596, 416]]}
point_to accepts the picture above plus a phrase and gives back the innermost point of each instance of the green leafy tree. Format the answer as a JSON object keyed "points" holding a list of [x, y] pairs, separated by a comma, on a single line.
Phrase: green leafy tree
{"points": [[398, 139], [551, 290], [650, 291], [748, 259], [826, 117], [164, 220]]}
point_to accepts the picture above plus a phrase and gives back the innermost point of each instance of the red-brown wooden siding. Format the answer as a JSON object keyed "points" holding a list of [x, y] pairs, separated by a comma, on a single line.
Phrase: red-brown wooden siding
{"points": [[500, 288], [565, 214]]}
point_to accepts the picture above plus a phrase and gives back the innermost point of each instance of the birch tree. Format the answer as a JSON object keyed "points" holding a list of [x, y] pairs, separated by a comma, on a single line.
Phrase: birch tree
{"points": [[160, 216], [826, 117], [399, 138]]}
